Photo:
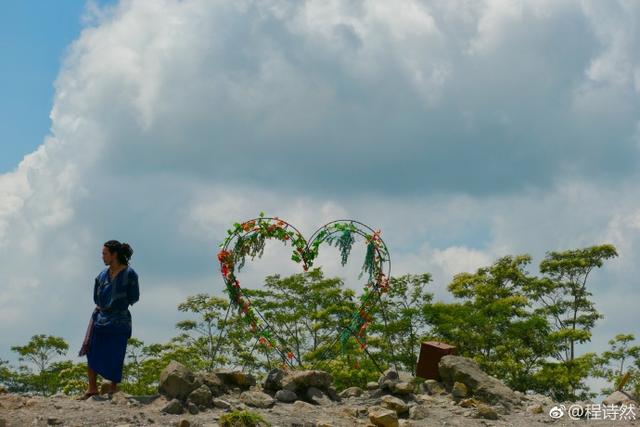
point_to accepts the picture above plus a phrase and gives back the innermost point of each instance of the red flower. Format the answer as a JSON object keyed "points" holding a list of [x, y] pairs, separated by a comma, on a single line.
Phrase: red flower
{"points": [[224, 256], [290, 355]]}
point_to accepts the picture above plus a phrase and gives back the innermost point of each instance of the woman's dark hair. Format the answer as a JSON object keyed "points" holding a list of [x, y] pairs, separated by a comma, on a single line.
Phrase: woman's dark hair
{"points": [[123, 250]]}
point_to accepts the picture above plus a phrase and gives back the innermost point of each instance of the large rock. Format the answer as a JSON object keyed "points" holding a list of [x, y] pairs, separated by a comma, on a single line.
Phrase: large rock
{"points": [[432, 387], [383, 417], [535, 409], [201, 397], [212, 381], [236, 378], [619, 398], [351, 392], [222, 404], [176, 381], [418, 412], [173, 407], [286, 396], [316, 396], [300, 381], [395, 404], [273, 382], [481, 385], [459, 390], [486, 412], [257, 399], [403, 388], [391, 378]]}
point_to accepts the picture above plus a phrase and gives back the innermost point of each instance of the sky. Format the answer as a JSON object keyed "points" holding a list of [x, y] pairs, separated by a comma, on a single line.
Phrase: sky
{"points": [[465, 131]]}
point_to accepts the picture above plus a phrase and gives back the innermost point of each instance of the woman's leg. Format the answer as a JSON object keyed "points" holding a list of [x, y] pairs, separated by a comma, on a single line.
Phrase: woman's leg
{"points": [[93, 380]]}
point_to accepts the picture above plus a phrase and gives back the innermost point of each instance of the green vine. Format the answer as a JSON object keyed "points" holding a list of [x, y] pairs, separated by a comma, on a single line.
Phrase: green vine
{"points": [[250, 239]]}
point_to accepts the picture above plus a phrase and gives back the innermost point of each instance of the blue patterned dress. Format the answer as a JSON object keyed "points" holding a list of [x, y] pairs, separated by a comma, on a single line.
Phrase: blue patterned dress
{"points": [[112, 323]]}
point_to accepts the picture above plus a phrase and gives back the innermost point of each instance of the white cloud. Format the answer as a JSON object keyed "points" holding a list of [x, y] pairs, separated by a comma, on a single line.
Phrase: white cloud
{"points": [[465, 131]]}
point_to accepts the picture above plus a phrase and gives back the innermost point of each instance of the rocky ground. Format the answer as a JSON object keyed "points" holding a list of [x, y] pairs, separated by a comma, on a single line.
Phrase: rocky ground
{"points": [[465, 397]]}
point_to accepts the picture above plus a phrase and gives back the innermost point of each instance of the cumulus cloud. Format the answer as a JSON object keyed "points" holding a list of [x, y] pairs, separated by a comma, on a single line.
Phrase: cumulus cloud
{"points": [[464, 130]]}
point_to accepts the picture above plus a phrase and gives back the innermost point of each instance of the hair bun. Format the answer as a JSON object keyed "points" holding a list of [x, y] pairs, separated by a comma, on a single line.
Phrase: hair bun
{"points": [[127, 251]]}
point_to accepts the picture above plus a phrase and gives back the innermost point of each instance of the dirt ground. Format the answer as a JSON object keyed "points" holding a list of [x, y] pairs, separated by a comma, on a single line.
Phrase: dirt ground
{"points": [[122, 410]]}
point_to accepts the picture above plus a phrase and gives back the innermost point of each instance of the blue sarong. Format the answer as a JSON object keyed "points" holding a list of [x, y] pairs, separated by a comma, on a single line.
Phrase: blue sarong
{"points": [[112, 322]]}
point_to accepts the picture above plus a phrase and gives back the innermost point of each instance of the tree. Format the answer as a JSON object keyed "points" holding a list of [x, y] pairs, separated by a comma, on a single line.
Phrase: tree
{"points": [[566, 301], [621, 358], [145, 362], [495, 323], [305, 312], [400, 321], [41, 351], [201, 335], [71, 377], [7, 376]]}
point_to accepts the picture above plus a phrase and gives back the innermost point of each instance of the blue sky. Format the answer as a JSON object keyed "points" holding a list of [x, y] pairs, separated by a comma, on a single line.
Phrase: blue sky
{"points": [[466, 131], [33, 38]]}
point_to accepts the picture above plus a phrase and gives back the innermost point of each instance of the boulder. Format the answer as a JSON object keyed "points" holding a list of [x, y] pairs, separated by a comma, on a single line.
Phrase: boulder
{"points": [[176, 381], [351, 392], [432, 387], [355, 411], [201, 397], [418, 412], [468, 403], [257, 399], [300, 381], [484, 387], [394, 404], [273, 382], [221, 404], [236, 378], [383, 417], [619, 398], [213, 381], [393, 375], [535, 409], [403, 388], [459, 390], [192, 408], [332, 393], [120, 398], [286, 396], [316, 396], [372, 386], [301, 405], [486, 412], [173, 407]]}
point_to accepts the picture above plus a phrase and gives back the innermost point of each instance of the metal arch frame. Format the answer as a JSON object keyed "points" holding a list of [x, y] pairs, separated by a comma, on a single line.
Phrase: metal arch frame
{"points": [[383, 257]]}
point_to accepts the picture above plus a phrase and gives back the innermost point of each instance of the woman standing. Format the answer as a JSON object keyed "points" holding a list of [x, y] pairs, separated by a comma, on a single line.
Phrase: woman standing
{"points": [[105, 345]]}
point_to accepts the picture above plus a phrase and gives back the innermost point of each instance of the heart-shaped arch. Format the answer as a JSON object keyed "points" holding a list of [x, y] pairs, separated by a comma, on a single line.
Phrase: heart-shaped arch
{"points": [[247, 239]]}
